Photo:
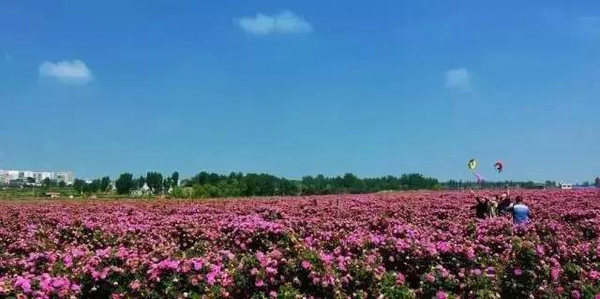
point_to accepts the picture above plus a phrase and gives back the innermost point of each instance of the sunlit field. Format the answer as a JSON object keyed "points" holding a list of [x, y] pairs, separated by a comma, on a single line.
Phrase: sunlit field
{"points": [[396, 245]]}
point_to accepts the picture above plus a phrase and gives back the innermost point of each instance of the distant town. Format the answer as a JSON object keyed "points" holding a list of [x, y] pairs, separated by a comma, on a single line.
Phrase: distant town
{"points": [[30, 177]]}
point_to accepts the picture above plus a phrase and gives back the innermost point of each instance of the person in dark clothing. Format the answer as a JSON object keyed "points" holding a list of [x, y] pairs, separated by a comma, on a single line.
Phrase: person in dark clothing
{"points": [[480, 208], [504, 202]]}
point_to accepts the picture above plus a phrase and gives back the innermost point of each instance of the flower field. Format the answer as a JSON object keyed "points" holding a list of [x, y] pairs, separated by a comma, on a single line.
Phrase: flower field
{"points": [[396, 245]]}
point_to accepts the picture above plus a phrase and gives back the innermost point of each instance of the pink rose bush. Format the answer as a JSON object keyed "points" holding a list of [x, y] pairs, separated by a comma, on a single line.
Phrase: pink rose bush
{"points": [[397, 245]]}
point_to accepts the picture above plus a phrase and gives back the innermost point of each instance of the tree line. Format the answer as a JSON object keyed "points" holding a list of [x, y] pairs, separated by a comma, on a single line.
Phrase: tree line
{"points": [[207, 184], [154, 181], [236, 184]]}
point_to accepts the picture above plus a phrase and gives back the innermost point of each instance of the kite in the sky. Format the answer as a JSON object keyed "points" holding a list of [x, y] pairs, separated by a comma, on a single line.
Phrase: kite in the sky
{"points": [[472, 164], [479, 178], [499, 166]]}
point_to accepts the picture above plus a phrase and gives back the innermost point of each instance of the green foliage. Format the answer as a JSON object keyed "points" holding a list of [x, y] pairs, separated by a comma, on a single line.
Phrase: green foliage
{"points": [[390, 289], [105, 184], [154, 180], [287, 291], [207, 184], [78, 185], [522, 275], [124, 183], [47, 182], [175, 178]]}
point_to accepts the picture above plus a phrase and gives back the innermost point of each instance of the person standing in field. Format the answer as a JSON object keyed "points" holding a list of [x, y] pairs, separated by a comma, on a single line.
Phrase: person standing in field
{"points": [[520, 211], [504, 202], [485, 207], [492, 207], [481, 207]]}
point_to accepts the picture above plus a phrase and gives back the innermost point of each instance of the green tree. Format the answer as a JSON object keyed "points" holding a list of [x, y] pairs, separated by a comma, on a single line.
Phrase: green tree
{"points": [[105, 184], [124, 183], [92, 187], [79, 185], [154, 180], [585, 184], [167, 184], [139, 183], [47, 182], [175, 179], [62, 184]]}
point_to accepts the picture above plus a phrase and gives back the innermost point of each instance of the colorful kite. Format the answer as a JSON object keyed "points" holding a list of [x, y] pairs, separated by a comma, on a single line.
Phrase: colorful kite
{"points": [[472, 164], [499, 166], [479, 178]]}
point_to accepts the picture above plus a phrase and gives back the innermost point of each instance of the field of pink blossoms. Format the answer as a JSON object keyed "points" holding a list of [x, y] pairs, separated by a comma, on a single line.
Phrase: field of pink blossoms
{"points": [[397, 245]]}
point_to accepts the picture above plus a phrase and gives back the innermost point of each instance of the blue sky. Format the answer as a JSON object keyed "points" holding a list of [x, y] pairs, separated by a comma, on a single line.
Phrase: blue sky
{"points": [[302, 87]]}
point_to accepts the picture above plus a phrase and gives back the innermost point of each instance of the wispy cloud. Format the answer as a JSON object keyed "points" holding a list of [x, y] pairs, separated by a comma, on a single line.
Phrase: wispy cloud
{"points": [[285, 22], [458, 79], [71, 72]]}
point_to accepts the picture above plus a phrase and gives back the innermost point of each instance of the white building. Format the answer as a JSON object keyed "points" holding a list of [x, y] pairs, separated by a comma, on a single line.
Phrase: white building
{"points": [[566, 186], [6, 176], [64, 176]]}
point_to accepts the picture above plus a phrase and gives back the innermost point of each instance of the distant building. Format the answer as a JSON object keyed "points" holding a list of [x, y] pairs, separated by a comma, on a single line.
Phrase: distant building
{"points": [[7, 176], [144, 191], [566, 186], [65, 176], [53, 194]]}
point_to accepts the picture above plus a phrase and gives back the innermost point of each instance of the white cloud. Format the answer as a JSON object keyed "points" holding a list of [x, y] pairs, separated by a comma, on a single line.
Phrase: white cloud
{"points": [[72, 72], [458, 79], [285, 22]]}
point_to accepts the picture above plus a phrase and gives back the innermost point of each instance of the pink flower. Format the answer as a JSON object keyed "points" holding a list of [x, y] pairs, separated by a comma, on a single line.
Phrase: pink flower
{"points": [[554, 273], [75, 288], [517, 271], [326, 258], [259, 283], [470, 254], [540, 250], [210, 278], [135, 285], [441, 295], [198, 265], [306, 265], [575, 294], [68, 261], [23, 283], [400, 279], [595, 275], [194, 281], [430, 278], [271, 271]]}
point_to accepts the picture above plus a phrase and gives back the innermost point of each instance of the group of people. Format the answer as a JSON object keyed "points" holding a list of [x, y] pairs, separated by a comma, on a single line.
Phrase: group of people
{"points": [[488, 207]]}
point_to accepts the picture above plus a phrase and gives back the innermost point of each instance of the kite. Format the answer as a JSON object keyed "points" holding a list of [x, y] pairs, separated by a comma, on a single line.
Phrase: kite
{"points": [[472, 164], [499, 166], [479, 178]]}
